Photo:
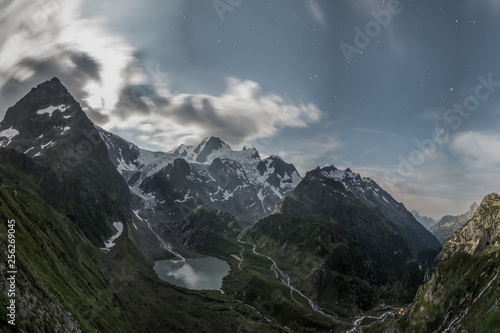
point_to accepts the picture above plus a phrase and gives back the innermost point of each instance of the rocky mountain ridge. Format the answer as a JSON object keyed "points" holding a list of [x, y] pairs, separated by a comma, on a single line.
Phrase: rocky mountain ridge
{"points": [[481, 230], [210, 174], [240, 182], [333, 245], [448, 224], [385, 206]]}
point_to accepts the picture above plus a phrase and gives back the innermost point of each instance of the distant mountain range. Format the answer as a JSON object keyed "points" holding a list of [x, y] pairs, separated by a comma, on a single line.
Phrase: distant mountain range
{"points": [[448, 225], [427, 222]]}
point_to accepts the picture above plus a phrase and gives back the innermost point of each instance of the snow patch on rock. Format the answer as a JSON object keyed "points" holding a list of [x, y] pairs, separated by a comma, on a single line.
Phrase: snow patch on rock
{"points": [[51, 109]]}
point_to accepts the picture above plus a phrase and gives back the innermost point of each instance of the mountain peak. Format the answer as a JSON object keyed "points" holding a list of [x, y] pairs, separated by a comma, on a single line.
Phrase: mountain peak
{"points": [[43, 116], [53, 85], [479, 232], [328, 167], [275, 157], [212, 139], [492, 197], [446, 227], [472, 210], [47, 94], [331, 172], [218, 141], [207, 146], [427, 222], [212, 147], [54, 82]]}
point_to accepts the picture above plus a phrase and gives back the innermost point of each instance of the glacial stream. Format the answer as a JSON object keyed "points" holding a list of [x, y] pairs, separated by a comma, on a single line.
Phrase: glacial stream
{"points": [[458, 319], [285, 279]]}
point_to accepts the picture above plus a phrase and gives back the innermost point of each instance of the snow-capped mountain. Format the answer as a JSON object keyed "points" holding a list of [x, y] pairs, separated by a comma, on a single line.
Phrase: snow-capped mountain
{"points": [[210, 173], [46, 117], [371, 194], [48, 124], [199, 153], [49, 127], [240, 182]]}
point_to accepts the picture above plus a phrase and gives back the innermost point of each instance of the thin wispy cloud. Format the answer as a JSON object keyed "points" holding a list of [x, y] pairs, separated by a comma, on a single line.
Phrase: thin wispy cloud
{"points": [[316, 12], [381, 133], [478, 151]]}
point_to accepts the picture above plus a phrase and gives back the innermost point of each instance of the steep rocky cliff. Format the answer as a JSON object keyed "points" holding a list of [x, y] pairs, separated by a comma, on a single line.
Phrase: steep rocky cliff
{"points": [[463, 293], [448, 224]]}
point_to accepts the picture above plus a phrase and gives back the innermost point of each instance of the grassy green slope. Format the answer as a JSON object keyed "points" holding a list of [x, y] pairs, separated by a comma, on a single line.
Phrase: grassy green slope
{"points": [[162, 307], [339, 273], [58, 283], [253, 282]]}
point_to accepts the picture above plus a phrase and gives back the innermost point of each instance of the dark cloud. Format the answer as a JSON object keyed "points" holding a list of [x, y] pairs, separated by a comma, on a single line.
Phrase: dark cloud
{"points": [[9, 93], [139, 99], [85, 65], [234, 127], [131, 101], [142, 98], [74, 78], [160, 101]]}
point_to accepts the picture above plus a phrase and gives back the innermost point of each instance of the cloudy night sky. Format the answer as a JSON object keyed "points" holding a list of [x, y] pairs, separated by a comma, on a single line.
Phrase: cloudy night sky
{"points": [[412, 101]]}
